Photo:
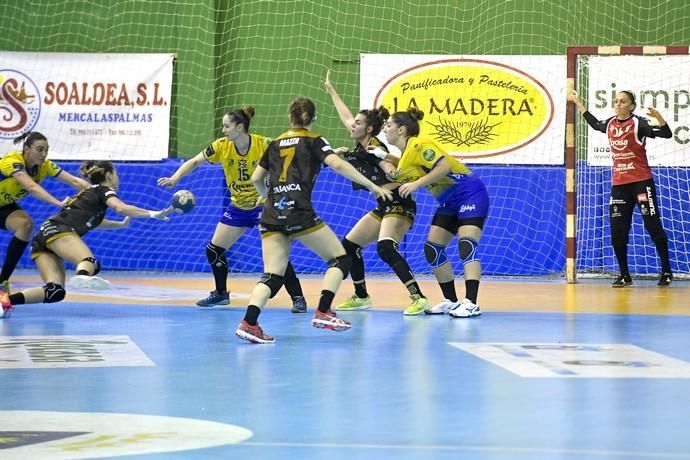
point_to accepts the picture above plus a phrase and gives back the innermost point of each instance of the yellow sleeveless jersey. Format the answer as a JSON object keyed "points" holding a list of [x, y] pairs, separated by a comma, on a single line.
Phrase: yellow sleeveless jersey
{"points": [[420, 157], [10, 189], [238, 168]]}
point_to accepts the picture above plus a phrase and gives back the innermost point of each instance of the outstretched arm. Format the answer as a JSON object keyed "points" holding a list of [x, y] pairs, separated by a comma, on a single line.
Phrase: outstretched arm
{"points": [[343, 111], [345, 169], [592, 121], [74, 181], [184, 169], [35, 189], [129, 210]]}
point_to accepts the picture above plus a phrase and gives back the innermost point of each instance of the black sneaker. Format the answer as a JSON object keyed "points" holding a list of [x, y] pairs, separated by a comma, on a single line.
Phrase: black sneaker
{"points": [[299, 305], [215, 298], [665, 279], [622, 281]]}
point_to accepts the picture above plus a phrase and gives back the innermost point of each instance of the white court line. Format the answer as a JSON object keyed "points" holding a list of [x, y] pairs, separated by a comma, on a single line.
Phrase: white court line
{"points": [[487, 449]]}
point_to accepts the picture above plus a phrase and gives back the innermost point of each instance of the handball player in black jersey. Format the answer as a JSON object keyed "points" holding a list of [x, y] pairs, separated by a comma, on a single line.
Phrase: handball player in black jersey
{"points": [[59, 238], [292, 163], [390, 220]]}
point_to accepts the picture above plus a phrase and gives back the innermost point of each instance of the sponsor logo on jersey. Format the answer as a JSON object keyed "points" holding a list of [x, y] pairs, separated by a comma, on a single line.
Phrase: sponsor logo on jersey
{"points": [[20, 104], [286, 188], [288, 142], [428, 154], [472, 108]]}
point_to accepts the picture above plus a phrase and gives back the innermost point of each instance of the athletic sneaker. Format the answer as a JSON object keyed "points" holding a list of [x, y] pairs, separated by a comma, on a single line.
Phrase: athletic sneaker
{"points": [[355, 303], [215, 298], [299, 305], [253, 334], [418, 305], [665, 279], [465, 309], [330, 321], [622, 281], [5, 286], [442, 307], [6, 305], [89, 282]]}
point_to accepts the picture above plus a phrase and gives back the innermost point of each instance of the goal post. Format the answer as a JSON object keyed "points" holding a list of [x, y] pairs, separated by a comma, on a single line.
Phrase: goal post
{"points": [[657, 75]]}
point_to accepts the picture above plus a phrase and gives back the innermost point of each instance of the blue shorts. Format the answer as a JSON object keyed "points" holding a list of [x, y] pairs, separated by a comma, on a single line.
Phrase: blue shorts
{"points": [[236, 217], [466, 200]]}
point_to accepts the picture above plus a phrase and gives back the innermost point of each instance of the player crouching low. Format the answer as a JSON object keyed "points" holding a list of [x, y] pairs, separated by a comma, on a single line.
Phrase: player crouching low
{"points": [[59, 238]]}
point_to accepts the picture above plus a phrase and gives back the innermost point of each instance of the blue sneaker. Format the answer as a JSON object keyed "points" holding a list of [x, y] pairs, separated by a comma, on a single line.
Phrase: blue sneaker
{"points": [[215, 298], [299, 305]]}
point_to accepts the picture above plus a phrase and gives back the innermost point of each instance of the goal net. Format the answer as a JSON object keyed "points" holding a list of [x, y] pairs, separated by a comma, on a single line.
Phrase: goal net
{"points": [[657, 76]]}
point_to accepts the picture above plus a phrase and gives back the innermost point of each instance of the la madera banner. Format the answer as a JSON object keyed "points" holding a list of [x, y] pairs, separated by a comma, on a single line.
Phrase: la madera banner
{"points": [[89, 106], [656, 81], [481, 109]]}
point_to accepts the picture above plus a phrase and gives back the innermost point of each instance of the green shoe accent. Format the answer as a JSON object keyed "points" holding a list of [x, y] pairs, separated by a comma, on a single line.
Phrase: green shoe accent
{"points": [[355, 303], [418, 305], [5, 286]]}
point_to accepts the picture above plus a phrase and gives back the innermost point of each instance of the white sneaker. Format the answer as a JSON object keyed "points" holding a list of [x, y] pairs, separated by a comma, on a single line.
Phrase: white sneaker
{"points": [[89, 282], [465, 309], [444, 307]]}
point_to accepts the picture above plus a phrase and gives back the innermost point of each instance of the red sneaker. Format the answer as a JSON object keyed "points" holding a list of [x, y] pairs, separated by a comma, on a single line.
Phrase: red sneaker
{"points": [[328, 320], [253, 334], [6, 305]]}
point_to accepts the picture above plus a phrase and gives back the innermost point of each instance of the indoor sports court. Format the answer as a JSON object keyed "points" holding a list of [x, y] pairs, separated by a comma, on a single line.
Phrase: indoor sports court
{"points": [[548, 371], [570, 359]]}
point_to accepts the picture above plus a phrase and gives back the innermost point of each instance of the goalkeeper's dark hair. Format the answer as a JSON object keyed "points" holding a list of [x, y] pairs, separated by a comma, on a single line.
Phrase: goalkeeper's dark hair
{"points": [[95, 170], [409, 119], [29, 138], [242, 116], [375, 118]]}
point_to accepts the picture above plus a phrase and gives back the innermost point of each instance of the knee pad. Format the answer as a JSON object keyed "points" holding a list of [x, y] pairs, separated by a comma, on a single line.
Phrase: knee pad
{"points": [[96, 263], [387, 250], [274, 282], [216, 255], [352, 249], [343, 263], [53, 293], [435, 254], [468, 250]]}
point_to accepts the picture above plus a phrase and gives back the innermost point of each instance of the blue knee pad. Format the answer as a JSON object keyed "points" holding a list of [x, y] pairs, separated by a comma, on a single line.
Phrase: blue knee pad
{"points": [[468, 250], [435, 254]]}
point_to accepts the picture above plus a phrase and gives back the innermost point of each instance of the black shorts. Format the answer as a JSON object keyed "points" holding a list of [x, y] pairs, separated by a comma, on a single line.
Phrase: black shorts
{"points": [[398, 206], [49, 232], [298, 224], [451, 223], [5, 211]]}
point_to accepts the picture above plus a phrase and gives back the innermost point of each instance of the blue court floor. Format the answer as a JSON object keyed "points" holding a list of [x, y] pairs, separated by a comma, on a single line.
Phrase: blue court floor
{"points": [[98, 380]]}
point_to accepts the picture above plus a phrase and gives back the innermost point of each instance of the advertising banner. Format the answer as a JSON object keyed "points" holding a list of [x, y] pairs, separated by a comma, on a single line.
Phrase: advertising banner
{"points": [[482, 109], [89, 106], [656, 81]]}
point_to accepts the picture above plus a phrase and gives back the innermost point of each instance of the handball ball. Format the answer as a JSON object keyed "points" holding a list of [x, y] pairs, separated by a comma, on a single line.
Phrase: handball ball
{"points": [[183, 201]]}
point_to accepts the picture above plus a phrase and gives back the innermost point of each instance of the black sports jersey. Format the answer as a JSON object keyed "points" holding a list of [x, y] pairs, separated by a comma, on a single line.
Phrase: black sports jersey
{"points": [[293, 161], [367, 164], [86, 210]]}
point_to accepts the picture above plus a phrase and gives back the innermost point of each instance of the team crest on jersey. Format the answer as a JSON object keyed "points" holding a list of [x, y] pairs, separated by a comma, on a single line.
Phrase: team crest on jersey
{"points": [[20, 103], [428, 155]]}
